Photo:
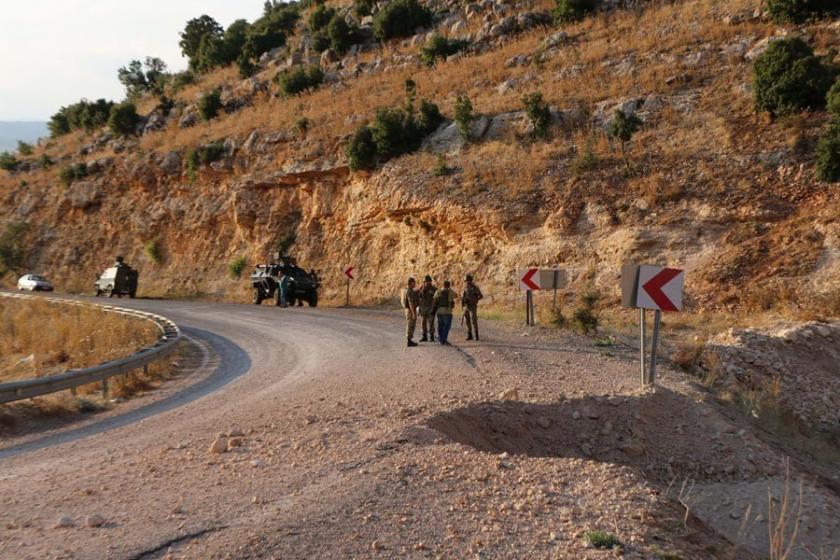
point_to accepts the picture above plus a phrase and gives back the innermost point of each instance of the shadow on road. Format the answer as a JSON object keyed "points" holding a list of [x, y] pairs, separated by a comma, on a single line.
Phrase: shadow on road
{"points": [[232, 362]]}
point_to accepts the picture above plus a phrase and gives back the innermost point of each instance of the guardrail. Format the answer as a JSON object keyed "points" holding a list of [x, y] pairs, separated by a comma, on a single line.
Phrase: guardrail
{"points": [[28, 388]]}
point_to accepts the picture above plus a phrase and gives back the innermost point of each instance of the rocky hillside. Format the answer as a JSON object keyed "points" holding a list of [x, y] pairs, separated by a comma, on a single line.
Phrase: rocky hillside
{"points": [[708, 184]]}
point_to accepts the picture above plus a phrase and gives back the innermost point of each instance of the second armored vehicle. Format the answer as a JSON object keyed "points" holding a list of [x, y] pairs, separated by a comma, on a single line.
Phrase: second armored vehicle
{"points": [[265, 281], [117, 280]]}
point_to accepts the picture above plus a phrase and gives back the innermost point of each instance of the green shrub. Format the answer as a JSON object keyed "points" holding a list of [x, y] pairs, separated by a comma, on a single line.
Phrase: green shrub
{"points": [[538, 113], [429, 118], [235, 37], [828, 155], [463, 115], [788, 78], [210, 104], [165, 105], [181, 80], [292, 82], [320, 17], [361, 151], [153, 251], [342, 35], [440, 47], [139, 78], [123, 119], [363, 8], [797, 11], [196, 31], [567, 11], [302, 125], [212, 52], [24, 148], [246, 66], [45, 160], [441, 168], [285, 243], [832, 100], [622, 128], [204, 155], [320, 41], [395, 131], [400, 18], [85, 114], [13, 247], [8, 162], [392, 133], [601, 539], [237, 266], [585, 316], [271, 30], [72, 173]]}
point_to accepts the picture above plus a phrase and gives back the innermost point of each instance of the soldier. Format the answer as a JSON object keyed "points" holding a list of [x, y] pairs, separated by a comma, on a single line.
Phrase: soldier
{"points": [[444, 302], [427, 310], [469, 303], [410, 300], [284, 289]]}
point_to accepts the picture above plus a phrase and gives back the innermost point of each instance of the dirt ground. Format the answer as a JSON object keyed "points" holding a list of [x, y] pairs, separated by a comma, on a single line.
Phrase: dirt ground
{"points": [[339, 442]]}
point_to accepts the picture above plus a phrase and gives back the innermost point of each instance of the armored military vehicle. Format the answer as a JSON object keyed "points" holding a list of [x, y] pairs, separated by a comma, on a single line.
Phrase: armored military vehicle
{"points": [[265, 281], [118, 279]]}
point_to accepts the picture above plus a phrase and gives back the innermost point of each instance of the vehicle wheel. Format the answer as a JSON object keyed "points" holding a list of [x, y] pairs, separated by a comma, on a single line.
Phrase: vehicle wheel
{"points": [[98, 293], [313, 300], [132, 295], [258, 296], [111, 294]]}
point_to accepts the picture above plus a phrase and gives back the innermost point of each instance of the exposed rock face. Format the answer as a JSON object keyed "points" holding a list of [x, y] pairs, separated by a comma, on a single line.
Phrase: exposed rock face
{"points": [[84, 194]]}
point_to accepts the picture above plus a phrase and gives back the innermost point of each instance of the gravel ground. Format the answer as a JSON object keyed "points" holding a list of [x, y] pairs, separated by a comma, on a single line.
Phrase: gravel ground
{"points": [[339, 442]]}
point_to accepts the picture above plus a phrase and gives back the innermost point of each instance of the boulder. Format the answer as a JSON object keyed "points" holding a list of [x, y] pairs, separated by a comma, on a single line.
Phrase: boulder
{"points": [[328, 57], [219, 445], [170, 163], [189, 119], [94, 521], [83, 194]]}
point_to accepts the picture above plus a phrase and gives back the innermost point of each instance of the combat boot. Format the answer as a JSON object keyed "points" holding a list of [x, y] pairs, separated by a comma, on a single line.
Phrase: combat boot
{"points": [[425, 339], [411, 343], [469, 336]]}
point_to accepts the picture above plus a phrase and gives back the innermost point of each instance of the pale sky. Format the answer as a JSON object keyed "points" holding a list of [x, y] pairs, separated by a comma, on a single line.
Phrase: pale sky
{"points": [[55, 52]]}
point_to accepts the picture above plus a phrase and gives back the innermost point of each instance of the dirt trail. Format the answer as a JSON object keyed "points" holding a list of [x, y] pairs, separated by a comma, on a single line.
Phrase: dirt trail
{"points": [[355, 446]]}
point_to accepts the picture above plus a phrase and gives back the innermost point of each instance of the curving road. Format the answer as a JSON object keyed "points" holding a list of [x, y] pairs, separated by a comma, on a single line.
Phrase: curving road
{"points": [[262, 362], [339, 459]]}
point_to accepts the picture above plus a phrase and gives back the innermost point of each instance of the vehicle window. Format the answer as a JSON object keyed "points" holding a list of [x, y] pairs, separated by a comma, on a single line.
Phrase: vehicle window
{"points": [[39, 278]]}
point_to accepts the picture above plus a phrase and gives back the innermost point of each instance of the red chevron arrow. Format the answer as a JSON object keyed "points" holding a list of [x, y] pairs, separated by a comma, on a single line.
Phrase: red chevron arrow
{"points": [[348, 272], [654, 288], [527, 279]]}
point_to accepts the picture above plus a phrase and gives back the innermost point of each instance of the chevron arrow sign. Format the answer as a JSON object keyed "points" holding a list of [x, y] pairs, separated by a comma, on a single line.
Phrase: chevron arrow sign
{"points": [[660, 288]]}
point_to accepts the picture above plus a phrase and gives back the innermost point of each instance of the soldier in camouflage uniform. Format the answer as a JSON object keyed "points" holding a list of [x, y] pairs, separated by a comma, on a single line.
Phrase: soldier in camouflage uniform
{"points": [[427, 309], [410, 301], [469, 302]]}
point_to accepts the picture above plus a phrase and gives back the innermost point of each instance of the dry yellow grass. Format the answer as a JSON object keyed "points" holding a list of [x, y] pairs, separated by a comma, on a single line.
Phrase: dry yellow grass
{"points": [[40, 338]]}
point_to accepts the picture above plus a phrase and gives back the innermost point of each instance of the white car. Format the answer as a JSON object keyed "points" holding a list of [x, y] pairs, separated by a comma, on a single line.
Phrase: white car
{"points": [[34, 283]]}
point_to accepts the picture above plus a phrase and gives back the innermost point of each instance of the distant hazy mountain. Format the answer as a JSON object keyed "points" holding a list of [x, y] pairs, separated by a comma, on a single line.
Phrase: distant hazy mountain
{"points": [[28, 131]]}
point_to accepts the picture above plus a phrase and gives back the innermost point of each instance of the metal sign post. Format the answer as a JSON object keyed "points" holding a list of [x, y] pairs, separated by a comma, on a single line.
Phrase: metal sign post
{"points": [[533, 279], [656, 320], [642, 346], [348, 272], [651, 287]]}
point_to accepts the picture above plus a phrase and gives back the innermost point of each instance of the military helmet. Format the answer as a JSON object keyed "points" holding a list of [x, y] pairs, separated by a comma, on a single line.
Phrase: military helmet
{"points": [[427, 278], [469, 278]]}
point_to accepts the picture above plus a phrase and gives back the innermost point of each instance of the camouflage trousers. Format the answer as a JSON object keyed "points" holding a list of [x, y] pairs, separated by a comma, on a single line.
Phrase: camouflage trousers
{"points": [[471, 318], [428, 322], [410, 324]]}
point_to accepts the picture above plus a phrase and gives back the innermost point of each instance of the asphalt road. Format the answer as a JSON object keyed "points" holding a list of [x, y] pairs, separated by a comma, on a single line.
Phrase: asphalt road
{"points": [[259, 358]]}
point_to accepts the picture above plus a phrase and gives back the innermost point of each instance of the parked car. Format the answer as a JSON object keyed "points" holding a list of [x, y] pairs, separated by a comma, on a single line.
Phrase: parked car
{"points": [[34, 283]]}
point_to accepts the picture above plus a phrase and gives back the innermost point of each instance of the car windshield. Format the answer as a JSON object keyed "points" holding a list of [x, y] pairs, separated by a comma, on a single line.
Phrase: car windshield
{"points": [[37, 278]]}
